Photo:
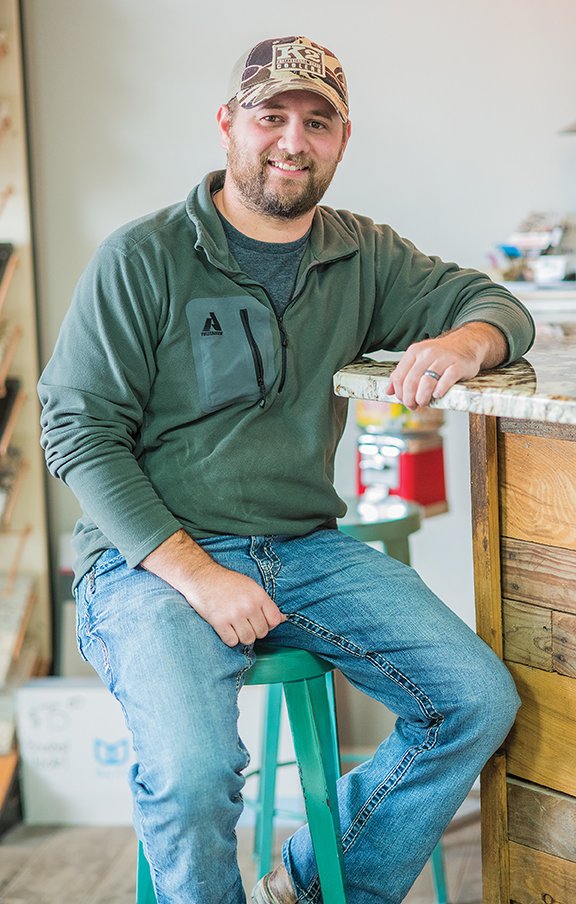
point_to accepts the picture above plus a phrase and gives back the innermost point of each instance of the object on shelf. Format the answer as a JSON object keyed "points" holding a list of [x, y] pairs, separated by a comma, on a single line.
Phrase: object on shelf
{"points": [[10, 405], [542, 250], [12, 469], [6, 252], [540, 231]]}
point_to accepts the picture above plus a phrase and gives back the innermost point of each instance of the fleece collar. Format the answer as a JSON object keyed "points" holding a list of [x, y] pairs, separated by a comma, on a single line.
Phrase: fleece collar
{"points": [[330, 240]]}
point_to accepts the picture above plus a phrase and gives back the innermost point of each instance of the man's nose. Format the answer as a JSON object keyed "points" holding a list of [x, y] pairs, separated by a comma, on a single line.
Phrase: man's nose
{"points": [[293, 139]]}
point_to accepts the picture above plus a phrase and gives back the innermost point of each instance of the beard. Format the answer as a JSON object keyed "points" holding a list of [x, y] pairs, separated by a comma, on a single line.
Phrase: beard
{"points": [[288, 202]]}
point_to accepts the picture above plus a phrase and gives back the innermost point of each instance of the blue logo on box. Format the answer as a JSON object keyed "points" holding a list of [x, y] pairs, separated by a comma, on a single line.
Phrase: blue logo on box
{"points": [[116, 754]]}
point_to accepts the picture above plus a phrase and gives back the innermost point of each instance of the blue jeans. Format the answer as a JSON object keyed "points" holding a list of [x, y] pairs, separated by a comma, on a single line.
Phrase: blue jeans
{"points": [[178, 684]]}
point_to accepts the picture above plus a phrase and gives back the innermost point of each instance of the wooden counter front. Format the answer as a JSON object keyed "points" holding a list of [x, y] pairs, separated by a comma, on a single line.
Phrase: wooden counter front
{"points": [[524, 534]]}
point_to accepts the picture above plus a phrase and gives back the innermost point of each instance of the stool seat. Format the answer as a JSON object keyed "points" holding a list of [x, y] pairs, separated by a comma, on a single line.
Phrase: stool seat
{"points": [[280, 665], [386, 521]]}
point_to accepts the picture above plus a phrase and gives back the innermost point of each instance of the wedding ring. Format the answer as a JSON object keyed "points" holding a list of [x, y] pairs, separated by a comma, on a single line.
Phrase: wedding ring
{"points": [[432, 373]]}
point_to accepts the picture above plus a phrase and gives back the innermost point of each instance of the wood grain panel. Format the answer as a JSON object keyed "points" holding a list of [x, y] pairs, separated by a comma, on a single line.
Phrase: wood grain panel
{"points": [[564, 644], [536, 877], [536, 428], [542, 744], [538, 489], [542, 819], [527, 634], [487, 591], [485, 530], [534, 573], [493, 810]]}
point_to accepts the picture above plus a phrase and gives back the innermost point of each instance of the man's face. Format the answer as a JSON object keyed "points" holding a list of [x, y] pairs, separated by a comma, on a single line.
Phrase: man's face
{"points": [[282, 154]]}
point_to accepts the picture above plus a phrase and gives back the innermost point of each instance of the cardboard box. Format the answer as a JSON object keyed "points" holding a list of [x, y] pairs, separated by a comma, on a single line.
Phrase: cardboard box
{"points": [[75, 753]]}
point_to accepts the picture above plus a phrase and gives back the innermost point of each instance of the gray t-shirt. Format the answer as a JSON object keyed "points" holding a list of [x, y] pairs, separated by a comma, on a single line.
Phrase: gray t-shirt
{"points": [[273, 265]]}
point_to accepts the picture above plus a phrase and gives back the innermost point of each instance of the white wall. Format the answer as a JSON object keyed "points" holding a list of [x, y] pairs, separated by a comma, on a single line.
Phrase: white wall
{"points": [[456, 109]]}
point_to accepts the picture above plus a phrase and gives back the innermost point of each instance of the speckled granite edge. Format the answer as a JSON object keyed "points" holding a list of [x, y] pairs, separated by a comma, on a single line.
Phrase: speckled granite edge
{"points": [[368, 380]]}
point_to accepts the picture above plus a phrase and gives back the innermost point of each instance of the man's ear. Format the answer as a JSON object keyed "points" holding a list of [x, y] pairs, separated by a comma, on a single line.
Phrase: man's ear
{"points": [[224, 120], [346, 139]]}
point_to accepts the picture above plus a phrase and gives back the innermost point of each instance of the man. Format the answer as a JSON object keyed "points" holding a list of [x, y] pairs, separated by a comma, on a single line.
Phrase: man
{"points": [[189, 406]]}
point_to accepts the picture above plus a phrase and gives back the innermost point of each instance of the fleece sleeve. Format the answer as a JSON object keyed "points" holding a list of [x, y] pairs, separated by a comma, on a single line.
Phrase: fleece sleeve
{"points": [[93, 393], [420, 297]]}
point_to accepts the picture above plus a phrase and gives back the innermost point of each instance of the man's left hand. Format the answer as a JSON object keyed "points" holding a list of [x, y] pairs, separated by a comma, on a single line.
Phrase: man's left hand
{"points": [[457, 355]]}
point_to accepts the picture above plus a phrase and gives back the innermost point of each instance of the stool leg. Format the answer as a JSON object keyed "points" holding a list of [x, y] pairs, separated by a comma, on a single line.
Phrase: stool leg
{"points": [[264, 832], [312, 731], [399, 549], [144, 888], [439, 874], [333, 721]]}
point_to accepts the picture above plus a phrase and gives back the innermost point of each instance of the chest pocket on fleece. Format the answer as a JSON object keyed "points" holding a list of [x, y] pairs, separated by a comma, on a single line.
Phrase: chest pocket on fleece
{"points": [[232, 343]]}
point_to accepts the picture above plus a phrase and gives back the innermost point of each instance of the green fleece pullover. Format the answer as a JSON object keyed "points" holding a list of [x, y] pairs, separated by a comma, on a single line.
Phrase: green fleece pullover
{"points": [[176, 398]]}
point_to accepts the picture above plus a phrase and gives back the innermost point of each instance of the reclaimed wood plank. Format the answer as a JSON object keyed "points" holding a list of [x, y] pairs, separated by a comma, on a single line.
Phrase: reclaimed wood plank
{"points": [[537, 428], [488, 597], [541, 746], [538, 491], [535, 573], [536, 877], [528, 634], [542, 819], [564, 643]]}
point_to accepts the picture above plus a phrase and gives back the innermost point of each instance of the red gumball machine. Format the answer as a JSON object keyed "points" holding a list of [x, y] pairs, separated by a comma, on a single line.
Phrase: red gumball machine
{"points": [[400, 453]]}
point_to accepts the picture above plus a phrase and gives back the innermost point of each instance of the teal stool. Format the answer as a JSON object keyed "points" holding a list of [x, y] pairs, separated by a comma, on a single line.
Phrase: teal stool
{"points": [[302, 675], [389, 522]]}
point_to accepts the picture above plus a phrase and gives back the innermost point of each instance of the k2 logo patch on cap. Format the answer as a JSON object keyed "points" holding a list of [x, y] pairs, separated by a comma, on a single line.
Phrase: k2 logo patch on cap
{"points": [[298, 57]]}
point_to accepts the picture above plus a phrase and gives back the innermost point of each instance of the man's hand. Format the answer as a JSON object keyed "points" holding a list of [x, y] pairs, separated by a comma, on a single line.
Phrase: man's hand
{"points": [[457, 355], [239, 609]]}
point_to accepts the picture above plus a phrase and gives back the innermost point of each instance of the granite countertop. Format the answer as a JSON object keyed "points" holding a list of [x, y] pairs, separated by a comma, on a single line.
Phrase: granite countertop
{"points": [[540, 387]]}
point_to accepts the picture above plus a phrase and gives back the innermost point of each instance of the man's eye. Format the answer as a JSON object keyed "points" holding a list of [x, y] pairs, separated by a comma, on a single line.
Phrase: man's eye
{"points": [[317, 125], [271, 118]]}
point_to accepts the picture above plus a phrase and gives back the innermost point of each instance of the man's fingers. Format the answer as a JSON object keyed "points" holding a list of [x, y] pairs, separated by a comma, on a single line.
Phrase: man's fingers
{"points": [[428, 383], [272, 613], [227, 634]]}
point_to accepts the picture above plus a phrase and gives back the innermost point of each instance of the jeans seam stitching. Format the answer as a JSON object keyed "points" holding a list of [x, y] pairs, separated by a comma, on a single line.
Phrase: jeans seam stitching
{"points": [[380, 662], [246, 650]]}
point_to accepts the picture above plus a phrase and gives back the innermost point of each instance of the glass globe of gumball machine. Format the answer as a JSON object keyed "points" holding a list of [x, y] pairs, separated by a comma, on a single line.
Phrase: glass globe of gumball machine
{"points": [[400, 454]]}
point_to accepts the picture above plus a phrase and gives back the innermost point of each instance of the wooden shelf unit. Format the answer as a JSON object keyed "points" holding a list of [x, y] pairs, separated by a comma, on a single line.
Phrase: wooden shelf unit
{"points": [[23, 522]]}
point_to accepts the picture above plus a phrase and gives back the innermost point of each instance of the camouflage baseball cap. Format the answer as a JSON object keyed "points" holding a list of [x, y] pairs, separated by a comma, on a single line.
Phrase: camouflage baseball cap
{"points": [[287, 64]]}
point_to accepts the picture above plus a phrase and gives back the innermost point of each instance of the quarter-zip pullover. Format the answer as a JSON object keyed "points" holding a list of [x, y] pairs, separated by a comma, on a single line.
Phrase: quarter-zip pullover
{"points": [[176, 398]]}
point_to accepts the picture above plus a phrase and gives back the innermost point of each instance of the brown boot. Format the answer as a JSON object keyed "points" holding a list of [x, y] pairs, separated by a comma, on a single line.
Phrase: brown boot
{"points": [[274, 888]]}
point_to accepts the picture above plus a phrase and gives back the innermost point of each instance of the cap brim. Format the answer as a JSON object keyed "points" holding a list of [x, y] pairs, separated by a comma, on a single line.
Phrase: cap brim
{"points": [[297, 84]]}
